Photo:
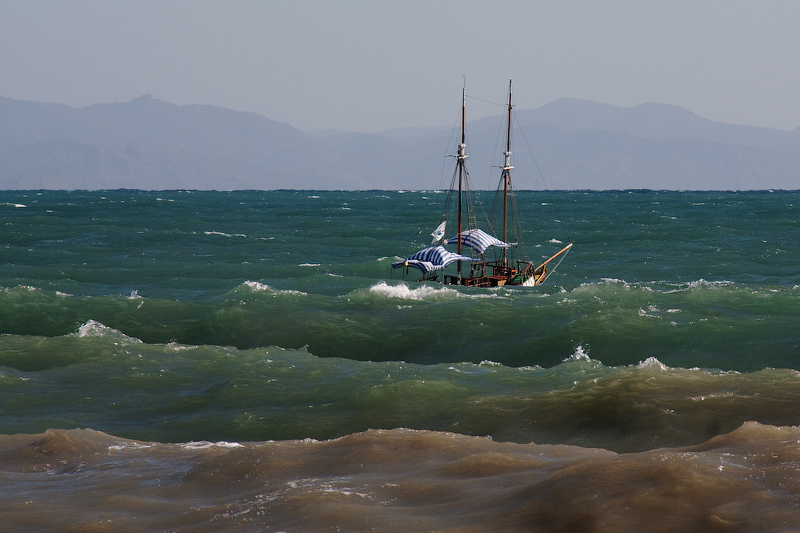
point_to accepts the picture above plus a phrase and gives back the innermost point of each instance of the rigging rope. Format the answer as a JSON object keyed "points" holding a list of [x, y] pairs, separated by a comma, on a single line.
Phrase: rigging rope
{"points": [[546, 188]]}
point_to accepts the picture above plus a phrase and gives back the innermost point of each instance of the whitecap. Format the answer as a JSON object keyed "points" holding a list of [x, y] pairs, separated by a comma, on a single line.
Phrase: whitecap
{"points": [[423, 292], [132, 445], [651, 309], [225, 234], [405, 292], [203, 445], [175, 347], [578, 355], [652, 363], [93, 328], [256, 286], [29, 288]]}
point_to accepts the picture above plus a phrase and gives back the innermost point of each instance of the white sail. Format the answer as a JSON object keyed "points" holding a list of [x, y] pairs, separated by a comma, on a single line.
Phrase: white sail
{"points": [[438, 233]]}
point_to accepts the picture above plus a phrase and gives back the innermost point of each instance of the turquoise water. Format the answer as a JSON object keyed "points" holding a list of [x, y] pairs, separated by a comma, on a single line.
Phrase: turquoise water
{"points": [[249, 317]]}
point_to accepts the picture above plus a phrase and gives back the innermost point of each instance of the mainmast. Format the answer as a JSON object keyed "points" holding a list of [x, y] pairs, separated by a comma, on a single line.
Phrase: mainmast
{"points": [[506, 176], [461, 157]]}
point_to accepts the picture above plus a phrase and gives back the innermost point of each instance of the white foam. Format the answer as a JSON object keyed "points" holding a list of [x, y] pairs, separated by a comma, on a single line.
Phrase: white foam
{"points": [[578, 355], [175, 347], [29, 288], [256, 286], [129, 446], [225, 234], [405, 292], [93, 328], [652, 363], [203, 445], [423, 292]]}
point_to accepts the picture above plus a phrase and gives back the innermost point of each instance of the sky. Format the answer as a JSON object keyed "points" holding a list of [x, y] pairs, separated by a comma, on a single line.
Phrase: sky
{"points": [[374, 65]]}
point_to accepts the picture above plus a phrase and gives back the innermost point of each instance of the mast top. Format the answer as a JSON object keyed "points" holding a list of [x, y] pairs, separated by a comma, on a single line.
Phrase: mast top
{"points": [[507, 154], [462, 156]]}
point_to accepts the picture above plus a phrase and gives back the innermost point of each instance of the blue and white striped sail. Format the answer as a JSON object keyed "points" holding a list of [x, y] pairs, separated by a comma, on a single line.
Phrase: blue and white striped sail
{"points": [[432, 258], [478, 240]]}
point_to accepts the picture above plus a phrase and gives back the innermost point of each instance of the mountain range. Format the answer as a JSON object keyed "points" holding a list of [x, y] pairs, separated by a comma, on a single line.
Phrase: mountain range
{"points": [[567, 144]]}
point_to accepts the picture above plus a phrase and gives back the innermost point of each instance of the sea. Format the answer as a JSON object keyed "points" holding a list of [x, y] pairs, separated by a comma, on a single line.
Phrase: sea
{"points": [[250, 361]]}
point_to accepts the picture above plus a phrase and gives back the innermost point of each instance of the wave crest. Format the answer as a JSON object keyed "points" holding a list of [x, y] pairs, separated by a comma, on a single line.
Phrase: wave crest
{"points": [[423, 292], [93, 328], [256, 286]]}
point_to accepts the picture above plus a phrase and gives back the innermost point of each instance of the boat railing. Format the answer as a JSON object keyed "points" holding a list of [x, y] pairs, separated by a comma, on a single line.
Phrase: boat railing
{"points": [[500, 268]]}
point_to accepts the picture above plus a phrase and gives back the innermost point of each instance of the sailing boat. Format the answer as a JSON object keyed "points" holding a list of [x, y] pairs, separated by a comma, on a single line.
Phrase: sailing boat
{"points": [[508, 266]]}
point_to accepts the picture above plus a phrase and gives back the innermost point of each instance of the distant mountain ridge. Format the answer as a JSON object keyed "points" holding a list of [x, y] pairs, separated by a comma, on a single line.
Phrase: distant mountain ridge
{"points": [[150, 144], [657, 121]]}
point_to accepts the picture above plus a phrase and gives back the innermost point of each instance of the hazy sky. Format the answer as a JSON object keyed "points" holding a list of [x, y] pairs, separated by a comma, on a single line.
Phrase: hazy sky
{"points": [[373, 65]]}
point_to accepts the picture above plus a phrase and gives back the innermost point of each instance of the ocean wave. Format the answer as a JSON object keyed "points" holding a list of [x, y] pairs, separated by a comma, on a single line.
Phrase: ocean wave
{"points": [[743, 480], [256, 287], [28, 288], [223, 234], [701, 284], [205, 445], [92, 328], [626, 292], [655, 286], [423, 292], [404, 292], [172, 391], [651, 363], [579, 355]]}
